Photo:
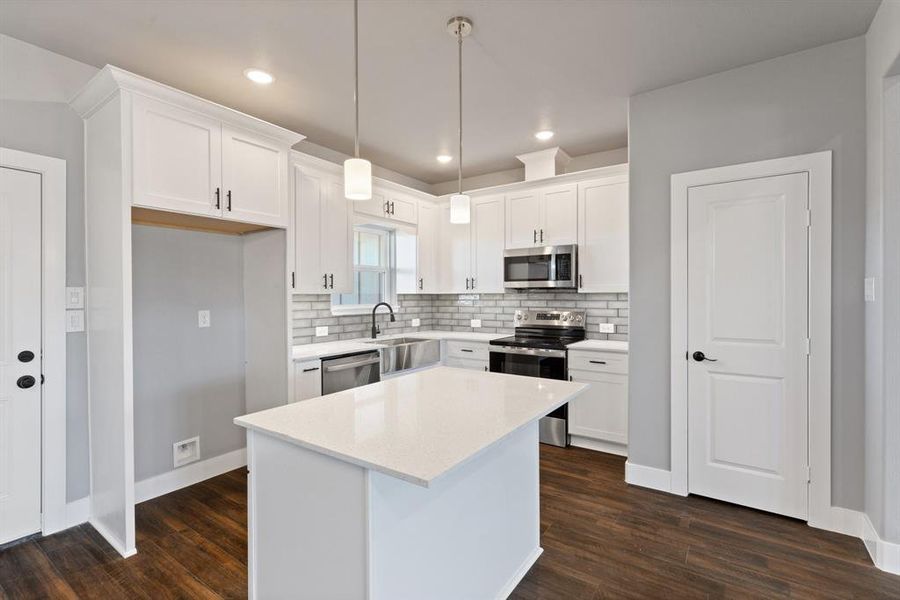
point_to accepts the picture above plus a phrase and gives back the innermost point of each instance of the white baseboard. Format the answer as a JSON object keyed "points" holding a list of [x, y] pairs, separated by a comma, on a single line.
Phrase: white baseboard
{"points": [[78, 511], [885, 555], [182, 477], [598, 445], [841, 520], [648, 477], [519, 574], [117, 544]]}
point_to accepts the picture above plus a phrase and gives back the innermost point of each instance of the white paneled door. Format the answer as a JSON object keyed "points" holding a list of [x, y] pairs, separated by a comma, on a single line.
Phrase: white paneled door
{"points": [[747, 342], [20, 353]]}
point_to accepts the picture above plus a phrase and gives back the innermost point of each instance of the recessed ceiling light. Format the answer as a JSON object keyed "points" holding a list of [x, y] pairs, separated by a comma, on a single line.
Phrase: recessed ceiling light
{"points": [[258, 76], [444, 158], [544, 135]]}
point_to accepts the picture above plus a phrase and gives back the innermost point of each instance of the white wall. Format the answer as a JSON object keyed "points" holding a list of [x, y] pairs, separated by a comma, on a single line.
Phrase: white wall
{"points": [[35, 87], [882, 463], [795, 104]]}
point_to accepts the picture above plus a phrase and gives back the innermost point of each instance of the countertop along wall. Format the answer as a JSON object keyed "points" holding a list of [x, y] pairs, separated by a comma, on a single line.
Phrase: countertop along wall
{"points": [[805, 102]]}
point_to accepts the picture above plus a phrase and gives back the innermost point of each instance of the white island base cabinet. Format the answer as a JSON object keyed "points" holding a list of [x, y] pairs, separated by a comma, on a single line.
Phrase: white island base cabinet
{"points": [[322, 528]]}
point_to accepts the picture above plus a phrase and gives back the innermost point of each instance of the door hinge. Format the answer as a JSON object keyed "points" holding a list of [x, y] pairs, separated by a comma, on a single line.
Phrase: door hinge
{"points": [[807, 346], [808, 218], [808, 475]]}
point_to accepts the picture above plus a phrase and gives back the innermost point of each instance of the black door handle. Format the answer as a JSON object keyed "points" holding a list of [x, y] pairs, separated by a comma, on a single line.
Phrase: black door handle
{"points": [[25, 381], [700, 357]]}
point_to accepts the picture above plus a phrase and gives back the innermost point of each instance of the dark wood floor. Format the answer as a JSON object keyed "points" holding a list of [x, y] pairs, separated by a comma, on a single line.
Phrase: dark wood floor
{"points": [[601, 539]]}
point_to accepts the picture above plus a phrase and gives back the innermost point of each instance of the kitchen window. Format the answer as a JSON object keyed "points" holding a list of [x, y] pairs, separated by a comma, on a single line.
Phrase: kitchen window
{"points": [[373, 272]]}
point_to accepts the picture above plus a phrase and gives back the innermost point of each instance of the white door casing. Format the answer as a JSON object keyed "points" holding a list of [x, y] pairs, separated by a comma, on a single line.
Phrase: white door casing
{"points": [[817, 167], [747, 311], [20, 331]]}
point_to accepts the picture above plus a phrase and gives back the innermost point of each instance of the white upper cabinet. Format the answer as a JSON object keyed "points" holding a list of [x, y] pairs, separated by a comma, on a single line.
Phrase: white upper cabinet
{"points": [[254, 178], [544, 216], [188, 162], [454, 255], [487, 245], [390, 205], [427, 248], [603, 235], [322, 232], [177, 159]]}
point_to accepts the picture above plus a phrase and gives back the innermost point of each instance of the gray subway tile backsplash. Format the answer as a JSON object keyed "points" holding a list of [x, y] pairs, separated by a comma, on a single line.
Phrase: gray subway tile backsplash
{"points": [[452, 312]]}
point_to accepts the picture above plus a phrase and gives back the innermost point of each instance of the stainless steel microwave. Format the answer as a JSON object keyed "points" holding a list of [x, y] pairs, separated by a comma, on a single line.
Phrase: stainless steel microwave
{"points": [[541, 267]]}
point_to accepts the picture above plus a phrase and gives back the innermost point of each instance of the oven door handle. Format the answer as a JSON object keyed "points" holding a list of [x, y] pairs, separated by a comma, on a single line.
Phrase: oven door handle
{"points": [[529, 351]]}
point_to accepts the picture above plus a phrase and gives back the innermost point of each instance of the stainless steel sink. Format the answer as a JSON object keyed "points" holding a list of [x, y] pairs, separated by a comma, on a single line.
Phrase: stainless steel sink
{"points": [[401, 354]]}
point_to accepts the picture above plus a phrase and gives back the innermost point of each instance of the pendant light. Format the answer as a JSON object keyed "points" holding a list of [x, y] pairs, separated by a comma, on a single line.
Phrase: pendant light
{"points": [[460, 204], [357, 171]]}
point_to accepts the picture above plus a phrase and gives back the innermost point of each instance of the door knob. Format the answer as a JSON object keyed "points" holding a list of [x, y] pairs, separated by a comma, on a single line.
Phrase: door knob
{"points": [[25, 381], [700, 357], [26, 356]]}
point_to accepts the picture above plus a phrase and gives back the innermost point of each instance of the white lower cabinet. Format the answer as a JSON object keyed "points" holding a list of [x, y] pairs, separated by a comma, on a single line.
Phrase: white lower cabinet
{"points": [[466, 355], [598, 419], [307, 380]]}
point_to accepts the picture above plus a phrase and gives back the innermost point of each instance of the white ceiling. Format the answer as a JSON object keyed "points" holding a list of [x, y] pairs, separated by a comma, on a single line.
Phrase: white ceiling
{"points": [[568, 65]]}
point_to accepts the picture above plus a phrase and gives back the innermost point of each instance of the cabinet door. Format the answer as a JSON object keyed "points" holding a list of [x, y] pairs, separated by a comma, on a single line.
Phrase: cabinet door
{"points": [[376, 207], [307, 380], [309, 199], [337, 236], [601, 412], [523, 219], [487, 244], [177, 159], [253, 179], [426, 276], [403, 208], [453, 255], [559, 222], [603, 235]]}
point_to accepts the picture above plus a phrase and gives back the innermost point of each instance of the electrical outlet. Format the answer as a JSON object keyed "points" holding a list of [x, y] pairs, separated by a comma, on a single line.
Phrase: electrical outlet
{"points": [[203, 319], [606, 328], [74, 297], [416, 322], [186, 451], [869, 286], [74, 321], [475, 323], [322, 331]]}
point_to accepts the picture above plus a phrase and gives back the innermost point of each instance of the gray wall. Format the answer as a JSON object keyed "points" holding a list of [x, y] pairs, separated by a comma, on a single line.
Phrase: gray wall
{"points": [[453, 312], [883, 264], [34, 117], [187, 381], [804, 102]]}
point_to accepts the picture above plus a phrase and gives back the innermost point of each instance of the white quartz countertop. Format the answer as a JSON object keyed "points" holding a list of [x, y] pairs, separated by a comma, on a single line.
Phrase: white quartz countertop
{"points": [[419, 426], [599, 345], [324, 349]]}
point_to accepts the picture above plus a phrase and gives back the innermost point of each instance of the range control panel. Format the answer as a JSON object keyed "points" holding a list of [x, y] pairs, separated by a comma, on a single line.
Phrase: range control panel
{"points": [[549, 318]]}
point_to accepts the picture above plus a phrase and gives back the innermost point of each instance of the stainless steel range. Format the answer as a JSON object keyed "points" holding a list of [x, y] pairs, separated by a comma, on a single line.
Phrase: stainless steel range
{"points": [[538, 349]]}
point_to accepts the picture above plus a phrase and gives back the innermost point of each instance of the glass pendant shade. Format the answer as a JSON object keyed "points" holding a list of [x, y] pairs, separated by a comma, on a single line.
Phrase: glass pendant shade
{"points": [[357, 179], [459, 209]]}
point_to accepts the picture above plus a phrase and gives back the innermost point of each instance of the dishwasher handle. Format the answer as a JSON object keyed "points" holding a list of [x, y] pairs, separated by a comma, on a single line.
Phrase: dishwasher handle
{"points": [[354, 365]]}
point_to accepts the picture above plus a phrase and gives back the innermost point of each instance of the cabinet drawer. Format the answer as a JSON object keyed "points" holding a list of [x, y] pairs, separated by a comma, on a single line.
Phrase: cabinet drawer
{"points": [[467, 350], [465, 363], [600, 362], [307, 380]]}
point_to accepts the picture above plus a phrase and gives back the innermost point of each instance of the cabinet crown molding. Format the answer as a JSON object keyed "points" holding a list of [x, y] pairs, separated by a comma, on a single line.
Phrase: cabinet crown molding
{"points": [[110, 80]]}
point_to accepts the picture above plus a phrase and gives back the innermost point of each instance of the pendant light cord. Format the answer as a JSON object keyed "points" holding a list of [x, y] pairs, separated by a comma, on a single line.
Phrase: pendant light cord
{"points": [[459, 39], [356, 75]]}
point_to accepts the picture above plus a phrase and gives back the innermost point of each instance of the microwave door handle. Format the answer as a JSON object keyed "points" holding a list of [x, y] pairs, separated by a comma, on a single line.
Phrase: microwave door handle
{"points": [[552, 266]]}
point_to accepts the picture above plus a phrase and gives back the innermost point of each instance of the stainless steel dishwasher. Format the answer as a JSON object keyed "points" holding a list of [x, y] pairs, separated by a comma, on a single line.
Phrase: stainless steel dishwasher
{"points": [[350, 371]]}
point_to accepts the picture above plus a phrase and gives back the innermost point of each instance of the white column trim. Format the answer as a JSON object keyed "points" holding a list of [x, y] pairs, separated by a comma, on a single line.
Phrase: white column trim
{"points": [[53, 321]]}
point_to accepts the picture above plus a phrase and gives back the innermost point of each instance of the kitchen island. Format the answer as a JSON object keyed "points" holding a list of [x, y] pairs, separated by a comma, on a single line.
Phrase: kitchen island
{"points": [[422, 486]]}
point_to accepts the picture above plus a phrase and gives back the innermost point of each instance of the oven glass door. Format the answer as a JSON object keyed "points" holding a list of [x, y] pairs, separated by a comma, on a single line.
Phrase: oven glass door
{"points": [[548, 367]]}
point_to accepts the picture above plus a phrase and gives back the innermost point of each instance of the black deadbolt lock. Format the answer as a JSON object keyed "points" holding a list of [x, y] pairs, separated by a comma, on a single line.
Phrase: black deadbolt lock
{"points": [[26, 356], [25, 381]]}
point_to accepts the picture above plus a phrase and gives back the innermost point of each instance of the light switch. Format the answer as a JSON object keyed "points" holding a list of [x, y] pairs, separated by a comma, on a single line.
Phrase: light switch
{"points": [[74, 321], [475, 323], [74, 297], [322, 331], [869, 285], [203, 318], [606, 328], [416, 322]]}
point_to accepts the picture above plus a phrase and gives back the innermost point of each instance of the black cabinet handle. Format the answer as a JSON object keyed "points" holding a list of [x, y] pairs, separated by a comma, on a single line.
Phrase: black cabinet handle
{"points": [[331, 277], [465, 350], [542, 236], [325, 280], [473, 283], [580, 280], [535, 235], [293, 279], [392, 207], [485, 368], [597, 362], [25, 381], [420, 283], [700, 357], [228, 195], [218, 198], [311, 369], [387, 207]]}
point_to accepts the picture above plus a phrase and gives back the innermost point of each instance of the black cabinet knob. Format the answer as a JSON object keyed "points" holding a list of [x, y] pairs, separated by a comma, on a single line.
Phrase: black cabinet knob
{"points": [[26, 356], [700, 357], [25, 381]]}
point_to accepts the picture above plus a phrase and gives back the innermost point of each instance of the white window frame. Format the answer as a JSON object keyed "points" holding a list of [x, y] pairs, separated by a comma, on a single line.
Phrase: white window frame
{"points": [[390, 273]]}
